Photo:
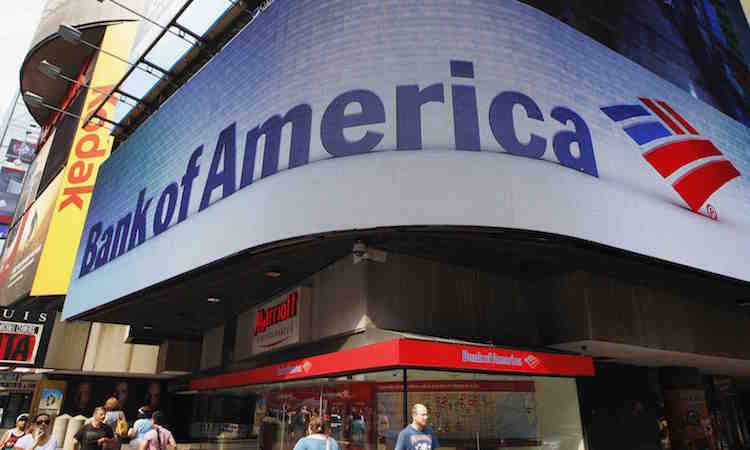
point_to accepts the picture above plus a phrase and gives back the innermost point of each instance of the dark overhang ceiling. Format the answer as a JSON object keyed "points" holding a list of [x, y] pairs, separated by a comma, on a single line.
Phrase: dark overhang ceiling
{"points": [[70, 58], [91, 18], [179, 307]]}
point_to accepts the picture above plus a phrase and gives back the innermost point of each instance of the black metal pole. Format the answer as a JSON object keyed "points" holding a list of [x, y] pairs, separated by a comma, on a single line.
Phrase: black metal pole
{"points": [[405, 404]]}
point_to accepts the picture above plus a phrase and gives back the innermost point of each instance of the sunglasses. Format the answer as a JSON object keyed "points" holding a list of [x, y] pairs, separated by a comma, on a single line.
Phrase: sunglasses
{"points": [[40, 422]]}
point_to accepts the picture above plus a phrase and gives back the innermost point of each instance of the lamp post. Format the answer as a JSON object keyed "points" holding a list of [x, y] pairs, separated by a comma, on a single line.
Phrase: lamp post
{"points": [[37, 101]]}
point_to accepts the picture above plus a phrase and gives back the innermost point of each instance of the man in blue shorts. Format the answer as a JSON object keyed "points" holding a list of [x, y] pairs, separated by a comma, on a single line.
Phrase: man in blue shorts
{"points": [[417, 435]]}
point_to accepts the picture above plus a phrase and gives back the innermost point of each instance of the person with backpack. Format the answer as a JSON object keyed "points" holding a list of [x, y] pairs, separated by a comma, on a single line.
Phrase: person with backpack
{"points": [[159, 438], [141, 426]]}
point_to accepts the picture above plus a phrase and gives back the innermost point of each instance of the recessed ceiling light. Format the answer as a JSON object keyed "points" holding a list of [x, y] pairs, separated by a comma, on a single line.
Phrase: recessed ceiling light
{"points": [[213, 300], [22, 369], [273, 273]]}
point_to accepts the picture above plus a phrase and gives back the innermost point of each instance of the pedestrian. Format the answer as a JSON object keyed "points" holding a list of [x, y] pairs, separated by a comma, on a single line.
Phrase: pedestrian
{"points": [[10, 437], [115, 417], [96, 435], [417, 435], [317, 436], [41, 437], [159, 438], [141, 426]]}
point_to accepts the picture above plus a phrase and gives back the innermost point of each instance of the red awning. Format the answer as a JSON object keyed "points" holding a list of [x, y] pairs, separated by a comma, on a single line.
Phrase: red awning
{"points": [[407, 353]]}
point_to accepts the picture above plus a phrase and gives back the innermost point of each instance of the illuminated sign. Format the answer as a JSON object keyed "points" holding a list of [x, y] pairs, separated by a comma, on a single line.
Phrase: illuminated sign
{"points": [[106, 242], [277, 324], [91, 146], [676, 159], [408, 126], [25, 241], [272, 315], [411, 353], [21, 335]]}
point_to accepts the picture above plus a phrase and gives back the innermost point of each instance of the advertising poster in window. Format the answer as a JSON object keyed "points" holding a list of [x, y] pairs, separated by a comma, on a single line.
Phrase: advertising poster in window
{"points": [[349, 407], [693, 428], [7, 204], [48, 397], [22, 335], [462, 411], [24, 244], [20, 150], [31, 180], [85, 393]]}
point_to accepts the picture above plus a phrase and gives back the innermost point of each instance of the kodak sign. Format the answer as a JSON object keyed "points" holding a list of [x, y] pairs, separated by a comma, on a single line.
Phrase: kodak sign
{"points": [[91, 146]]}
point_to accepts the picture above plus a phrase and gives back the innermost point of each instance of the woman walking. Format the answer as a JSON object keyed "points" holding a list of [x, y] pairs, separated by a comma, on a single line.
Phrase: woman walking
{"points": [[115, 418], [317, 437]]}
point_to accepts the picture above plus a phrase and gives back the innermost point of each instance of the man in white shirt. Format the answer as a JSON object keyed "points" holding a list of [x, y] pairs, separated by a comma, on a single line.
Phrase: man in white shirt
{"points": [[40, 438]]}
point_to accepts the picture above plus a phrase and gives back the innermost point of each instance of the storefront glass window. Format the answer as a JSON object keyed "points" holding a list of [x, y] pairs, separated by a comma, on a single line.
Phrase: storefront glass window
{"points": [[478, 411], [366, 411], [11, 405], [275, 416]]}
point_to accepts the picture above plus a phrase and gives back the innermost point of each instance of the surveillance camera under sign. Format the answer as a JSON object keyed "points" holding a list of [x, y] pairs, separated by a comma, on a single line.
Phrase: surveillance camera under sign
{"points": [[361, 252]]}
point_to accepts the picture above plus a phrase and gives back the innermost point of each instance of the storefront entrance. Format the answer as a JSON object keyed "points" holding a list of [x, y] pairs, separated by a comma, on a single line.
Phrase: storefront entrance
{"points": [[469, 406]]}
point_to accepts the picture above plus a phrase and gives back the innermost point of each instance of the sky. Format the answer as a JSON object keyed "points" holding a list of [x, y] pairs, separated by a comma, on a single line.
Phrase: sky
{"points": [[17, 26]]}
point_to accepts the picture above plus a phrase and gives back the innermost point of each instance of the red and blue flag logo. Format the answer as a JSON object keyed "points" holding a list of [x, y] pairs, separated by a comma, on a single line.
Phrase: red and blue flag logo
{"points": [[649, 123]]}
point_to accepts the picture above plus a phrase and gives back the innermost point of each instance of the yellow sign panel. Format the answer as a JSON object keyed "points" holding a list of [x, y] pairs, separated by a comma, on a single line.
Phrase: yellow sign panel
{"points": [[25, 241], [91, 146]]}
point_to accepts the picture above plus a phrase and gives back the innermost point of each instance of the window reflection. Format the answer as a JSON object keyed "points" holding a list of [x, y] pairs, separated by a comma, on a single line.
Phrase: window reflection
{"points": [[365, 412]]}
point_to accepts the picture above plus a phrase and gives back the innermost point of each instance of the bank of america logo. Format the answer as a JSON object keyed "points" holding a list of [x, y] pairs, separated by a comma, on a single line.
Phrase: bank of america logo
{"points": [[648, 123], [532, 361]]}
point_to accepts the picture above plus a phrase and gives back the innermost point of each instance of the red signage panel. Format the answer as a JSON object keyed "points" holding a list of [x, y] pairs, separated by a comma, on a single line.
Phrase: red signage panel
{"points": [[369, 357], [488, 359], [411, 353], [21, 334]]}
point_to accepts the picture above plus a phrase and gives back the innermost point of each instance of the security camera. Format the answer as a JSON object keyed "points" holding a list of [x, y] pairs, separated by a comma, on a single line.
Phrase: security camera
{"points": [[359, 250]]}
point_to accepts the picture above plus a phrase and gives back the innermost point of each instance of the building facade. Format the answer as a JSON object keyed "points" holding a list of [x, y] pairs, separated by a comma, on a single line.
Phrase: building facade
{"points": [[62, 368], [530, 216]]}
